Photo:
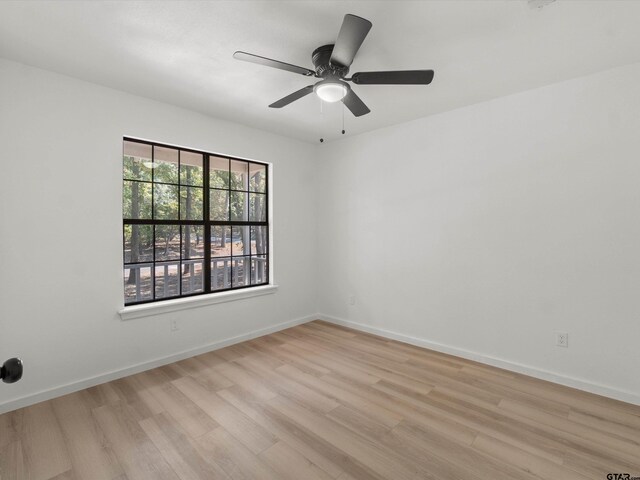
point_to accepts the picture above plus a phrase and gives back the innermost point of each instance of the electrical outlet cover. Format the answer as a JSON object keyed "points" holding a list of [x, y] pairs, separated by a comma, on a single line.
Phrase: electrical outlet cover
{"points": [[562, 339]]}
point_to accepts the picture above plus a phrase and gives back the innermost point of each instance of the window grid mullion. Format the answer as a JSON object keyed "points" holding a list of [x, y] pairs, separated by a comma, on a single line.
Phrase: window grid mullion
{"points": [[244, 226], [206, 268], [153, 229]]}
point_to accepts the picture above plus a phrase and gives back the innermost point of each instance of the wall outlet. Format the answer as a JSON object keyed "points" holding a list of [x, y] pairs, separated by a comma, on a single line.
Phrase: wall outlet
{"points": [[352, 299], [562, 339], [174, 326]]}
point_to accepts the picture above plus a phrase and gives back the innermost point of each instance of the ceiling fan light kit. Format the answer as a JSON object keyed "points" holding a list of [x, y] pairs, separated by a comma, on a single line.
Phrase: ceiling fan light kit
{"points": [[332, 64], [331, 90]]}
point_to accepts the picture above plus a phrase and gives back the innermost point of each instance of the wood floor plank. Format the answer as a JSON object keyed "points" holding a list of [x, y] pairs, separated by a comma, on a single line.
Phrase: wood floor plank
{"points": [[427, 465], [130, 392], [499, 426], [259, 355], [233, 420], [479, 383], [412, 377], [322, 402], [245, 378], [190, 416], [237, 461], [343, 396], [446, 425], [178, 451], [300, 362], [358, 422], [213, 380], [596, 467], [139, 457], [44, 450], [10, 426], [464, 457], [578, 436], [308, 445], [288, 387], [291, 465], [382, 462], [525, 461], [611, 427], [68, 475], [105, 394], [336, 330], [324, 358], [90, 452], [12, 462], [211, 359], [570, 396]]}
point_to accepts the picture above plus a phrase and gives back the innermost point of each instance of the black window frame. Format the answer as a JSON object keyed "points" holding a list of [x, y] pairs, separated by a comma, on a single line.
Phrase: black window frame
{"points": [[206, 223]]}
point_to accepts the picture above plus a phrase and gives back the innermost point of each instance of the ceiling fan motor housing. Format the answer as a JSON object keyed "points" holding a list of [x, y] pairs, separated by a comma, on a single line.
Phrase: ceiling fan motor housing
{"points": [[321, 59]]}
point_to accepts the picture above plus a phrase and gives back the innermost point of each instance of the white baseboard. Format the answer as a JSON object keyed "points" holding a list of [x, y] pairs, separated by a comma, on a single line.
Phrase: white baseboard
{"points": [[43, 395], [565, 380]]}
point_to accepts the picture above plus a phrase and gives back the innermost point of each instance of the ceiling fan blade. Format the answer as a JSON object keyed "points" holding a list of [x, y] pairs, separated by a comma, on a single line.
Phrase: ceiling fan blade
{"points": [[249, 57], [283, 102], [399, 77], [352, 33], [353, 103]]}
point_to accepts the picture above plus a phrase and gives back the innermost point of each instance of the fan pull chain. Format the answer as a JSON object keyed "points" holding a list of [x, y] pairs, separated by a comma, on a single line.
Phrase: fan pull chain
{"points": [[343, 118], [321, 112]]}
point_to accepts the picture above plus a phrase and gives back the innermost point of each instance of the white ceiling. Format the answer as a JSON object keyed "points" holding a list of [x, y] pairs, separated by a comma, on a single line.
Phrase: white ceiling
{"points": [[181, 52]]}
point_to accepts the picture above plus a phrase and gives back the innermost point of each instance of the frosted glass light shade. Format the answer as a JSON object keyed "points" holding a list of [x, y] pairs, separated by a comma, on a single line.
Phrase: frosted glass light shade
{"points": [[331, 92]]}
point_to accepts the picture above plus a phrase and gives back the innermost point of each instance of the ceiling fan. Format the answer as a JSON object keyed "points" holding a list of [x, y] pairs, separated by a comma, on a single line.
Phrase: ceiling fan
{"points": [[332, 64]]}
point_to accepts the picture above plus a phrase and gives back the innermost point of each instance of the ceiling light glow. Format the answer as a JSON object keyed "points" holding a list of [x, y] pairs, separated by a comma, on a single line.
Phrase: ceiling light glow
{"points": [[331, 91]]}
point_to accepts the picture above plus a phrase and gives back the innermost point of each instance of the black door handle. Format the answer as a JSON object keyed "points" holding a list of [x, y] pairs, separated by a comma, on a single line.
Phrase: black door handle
{"points": [[11, 370]]}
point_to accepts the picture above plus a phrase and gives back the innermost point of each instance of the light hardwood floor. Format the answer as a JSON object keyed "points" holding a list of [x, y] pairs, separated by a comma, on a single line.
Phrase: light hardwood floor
{"points": [[321, 402]]}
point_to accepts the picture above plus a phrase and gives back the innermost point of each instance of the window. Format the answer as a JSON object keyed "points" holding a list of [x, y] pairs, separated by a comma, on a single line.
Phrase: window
{"points": [[193, 222]]}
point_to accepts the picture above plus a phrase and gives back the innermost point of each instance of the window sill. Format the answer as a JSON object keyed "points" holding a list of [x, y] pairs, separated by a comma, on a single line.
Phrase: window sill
{"points": [[148, 309]]}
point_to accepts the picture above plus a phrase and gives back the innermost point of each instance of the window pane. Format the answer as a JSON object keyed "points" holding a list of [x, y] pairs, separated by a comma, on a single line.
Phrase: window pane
{"points": [[167, 279], [136, 161], [165, 165], [165, 186], [239, 175], [239, 206], [165, 202], [167, 242], [257, 207], [192, 241], [219, 172], [190, 168], [259, 270], [220, 273], [136, 200], [240, 271], [239, 245], [257, 177], [259, 235], [192, 278], [219, 205], [190, 203], [220, 241], [138, 246], [137, 283]]}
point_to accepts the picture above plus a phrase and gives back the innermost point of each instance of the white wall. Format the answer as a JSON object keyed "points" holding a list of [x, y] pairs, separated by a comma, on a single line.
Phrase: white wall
{"points": [[61, 223], [485, 230]]}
